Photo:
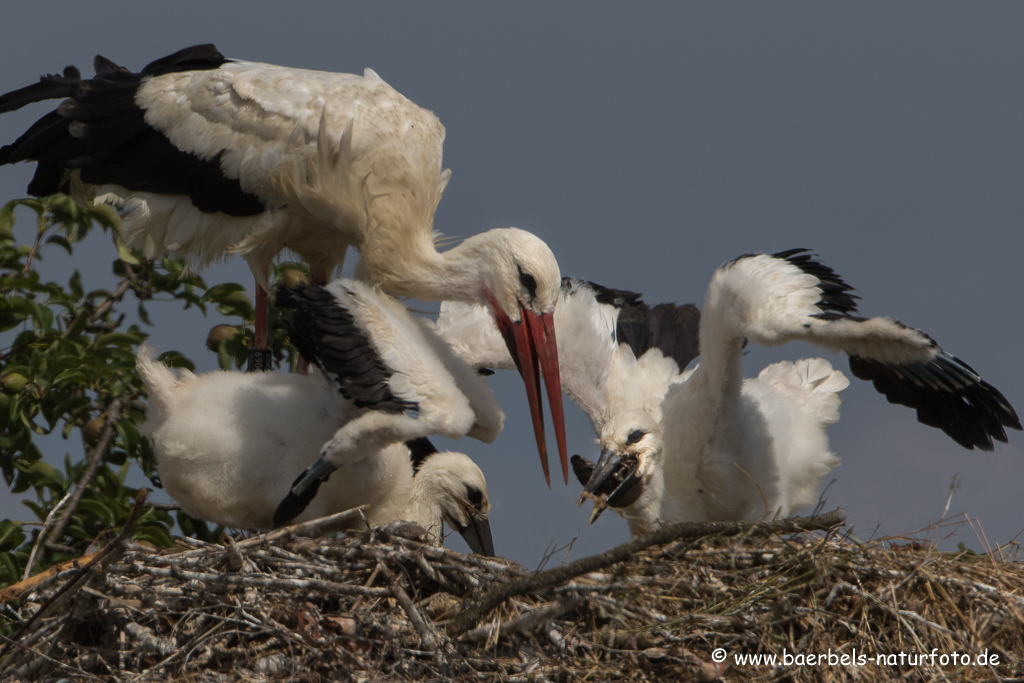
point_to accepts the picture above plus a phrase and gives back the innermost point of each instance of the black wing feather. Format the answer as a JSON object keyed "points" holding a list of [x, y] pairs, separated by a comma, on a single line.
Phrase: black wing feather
{"points": [[100, 131], [326, 334], [49, 87], [946, 392], [947, 395], [835, 295], [670, 328]]}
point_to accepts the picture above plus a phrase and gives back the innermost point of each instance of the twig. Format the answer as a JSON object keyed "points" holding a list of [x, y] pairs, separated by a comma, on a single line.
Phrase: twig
{"points": [[42, 534], [949, 501], [553, 577], [116, 296], [764, 499], [313, 527], [40, 231], [427, 636], [214, 580], [528, 621], [109, 548], [95, 457]]}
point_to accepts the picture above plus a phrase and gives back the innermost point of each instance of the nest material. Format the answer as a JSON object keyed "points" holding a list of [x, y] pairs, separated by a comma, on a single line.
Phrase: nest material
{"points": [[278, 607]]}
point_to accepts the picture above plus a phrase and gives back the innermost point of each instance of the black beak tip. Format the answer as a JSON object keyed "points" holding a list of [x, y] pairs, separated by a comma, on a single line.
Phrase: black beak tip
{"points": [[477, 535], [289, 508], [292, 505], [582, 468]]}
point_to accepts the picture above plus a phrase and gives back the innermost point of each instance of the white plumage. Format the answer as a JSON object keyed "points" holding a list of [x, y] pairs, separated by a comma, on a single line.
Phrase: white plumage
{"points": [[403, 380], [229, 444], [327, 154], [705, 444], [206, 156]]}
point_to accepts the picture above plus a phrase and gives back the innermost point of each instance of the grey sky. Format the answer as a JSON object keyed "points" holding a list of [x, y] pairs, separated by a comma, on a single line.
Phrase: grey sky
{"points": [[649, 143]]}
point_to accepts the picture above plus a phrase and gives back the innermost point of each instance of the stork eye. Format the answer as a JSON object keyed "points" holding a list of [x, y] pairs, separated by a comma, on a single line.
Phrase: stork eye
{"points": [[528, 281], [635, 436], [475, 496]]}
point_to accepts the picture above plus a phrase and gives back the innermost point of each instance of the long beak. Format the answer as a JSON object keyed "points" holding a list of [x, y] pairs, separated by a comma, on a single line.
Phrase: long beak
{"points": [[583, 469], [478, 536], [599, 507], [532, 344], [604, 468], [303, 491]]}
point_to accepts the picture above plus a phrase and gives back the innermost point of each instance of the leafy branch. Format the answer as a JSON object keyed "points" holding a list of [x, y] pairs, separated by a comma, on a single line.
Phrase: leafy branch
{"points": [[67, 368]]}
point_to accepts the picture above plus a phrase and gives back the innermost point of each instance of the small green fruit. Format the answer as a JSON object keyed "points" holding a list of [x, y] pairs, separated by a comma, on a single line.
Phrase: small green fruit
{"points": [[14, 382], [220, 334], [93, 428], [293, 277]]}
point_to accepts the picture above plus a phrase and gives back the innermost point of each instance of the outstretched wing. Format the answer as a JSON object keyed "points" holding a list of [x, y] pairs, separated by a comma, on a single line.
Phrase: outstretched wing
{"points": [[776, 298]]}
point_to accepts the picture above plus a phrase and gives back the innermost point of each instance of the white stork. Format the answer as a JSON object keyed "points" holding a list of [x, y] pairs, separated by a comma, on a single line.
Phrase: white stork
{"points": [[228, 444], [671, 439], [205, 155], [401, 377]]}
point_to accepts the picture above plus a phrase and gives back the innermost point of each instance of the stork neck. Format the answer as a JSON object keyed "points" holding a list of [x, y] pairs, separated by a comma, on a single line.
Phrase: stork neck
{"points": [[697, 409], [413, 267], [424, 509]]}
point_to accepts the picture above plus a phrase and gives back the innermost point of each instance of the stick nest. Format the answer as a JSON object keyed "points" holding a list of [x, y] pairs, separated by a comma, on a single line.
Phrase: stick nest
{"points": [[385, 605]]}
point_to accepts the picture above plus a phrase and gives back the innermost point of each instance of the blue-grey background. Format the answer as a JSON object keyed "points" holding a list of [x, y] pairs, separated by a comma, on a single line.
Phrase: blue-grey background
{"points": [[648, 143]]}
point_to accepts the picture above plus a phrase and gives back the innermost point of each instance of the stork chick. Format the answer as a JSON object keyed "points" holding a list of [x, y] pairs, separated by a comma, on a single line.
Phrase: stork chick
{"points": [[228, 444]]}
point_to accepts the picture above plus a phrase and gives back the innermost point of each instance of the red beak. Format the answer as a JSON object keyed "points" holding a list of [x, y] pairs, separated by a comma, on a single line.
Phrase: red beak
{"points": [[531, 342]]}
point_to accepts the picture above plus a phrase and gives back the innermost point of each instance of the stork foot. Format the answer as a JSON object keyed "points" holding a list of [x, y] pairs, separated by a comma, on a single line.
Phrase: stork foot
{"points": [[260, 360]]}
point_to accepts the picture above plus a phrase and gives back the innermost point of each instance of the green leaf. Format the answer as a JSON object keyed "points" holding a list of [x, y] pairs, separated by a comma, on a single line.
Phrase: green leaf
{"points": [[11, 535], [60, 242], [127, 256], [154, 534], [176, 359], [144, 314], [98, 509], [118, 339], [10, 570], [72, 377], [129, 434]]}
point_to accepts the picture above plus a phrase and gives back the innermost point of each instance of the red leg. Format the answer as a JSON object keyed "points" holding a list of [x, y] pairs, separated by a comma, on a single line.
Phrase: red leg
{"points": [[260, 359], [261, 317]]}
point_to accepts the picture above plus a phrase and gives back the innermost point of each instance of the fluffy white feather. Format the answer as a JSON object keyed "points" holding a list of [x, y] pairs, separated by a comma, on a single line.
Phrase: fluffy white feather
{"points": [[452, 400], [710, 445], [229, 444]]}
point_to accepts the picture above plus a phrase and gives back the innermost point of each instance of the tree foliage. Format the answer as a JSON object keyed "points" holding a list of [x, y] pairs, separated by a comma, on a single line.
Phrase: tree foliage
{"points": [[67, 367]]}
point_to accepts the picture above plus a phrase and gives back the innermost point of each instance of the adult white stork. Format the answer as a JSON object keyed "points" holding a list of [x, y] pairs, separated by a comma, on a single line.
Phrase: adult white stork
{"points": [[671, 438], [205, 155], [228, 444]]}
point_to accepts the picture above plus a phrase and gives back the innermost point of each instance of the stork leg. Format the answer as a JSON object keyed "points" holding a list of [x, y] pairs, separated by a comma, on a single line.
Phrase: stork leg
{"points": [[260, 359]]}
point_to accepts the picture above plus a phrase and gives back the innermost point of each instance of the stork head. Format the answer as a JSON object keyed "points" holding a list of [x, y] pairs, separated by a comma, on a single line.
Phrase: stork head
{"points": [[631, 452], [453, 488], [520, 284]]}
